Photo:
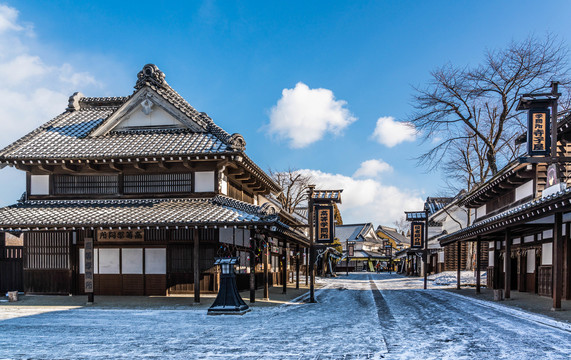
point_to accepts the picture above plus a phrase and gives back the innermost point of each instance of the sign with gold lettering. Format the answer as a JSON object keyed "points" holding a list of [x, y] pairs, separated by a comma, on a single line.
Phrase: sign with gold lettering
{"points": [[417, 235], [324, 224], [88, 261], [120, 235], [538, 132]]}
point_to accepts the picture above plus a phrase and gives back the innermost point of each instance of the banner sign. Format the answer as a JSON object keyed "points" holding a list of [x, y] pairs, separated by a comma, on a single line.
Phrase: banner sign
{"points": [[88, 261], [538, 132], [120, 235], [351, 251], [325, 228], [417, 235]]}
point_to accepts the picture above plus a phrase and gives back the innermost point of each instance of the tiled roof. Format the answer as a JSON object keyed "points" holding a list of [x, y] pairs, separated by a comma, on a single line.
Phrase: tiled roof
{"points": [[70, 135], [519, 214], [51, 214], [66, 138], [394, 234], [433, 204], [333, 195]]}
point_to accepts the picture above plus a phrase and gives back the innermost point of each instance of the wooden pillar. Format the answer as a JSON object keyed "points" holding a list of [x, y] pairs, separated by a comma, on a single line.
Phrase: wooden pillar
{"points": [[297, 257], [557, 261], [508, 265], [306, 266], [252, 269], [478, 261], [567, 262], [266, 277], [459, 263], [196, 266], [284, 272]]}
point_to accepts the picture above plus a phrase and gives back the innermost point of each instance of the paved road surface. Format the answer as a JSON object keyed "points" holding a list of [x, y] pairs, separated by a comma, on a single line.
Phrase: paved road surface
{"points": [[365, 316]]}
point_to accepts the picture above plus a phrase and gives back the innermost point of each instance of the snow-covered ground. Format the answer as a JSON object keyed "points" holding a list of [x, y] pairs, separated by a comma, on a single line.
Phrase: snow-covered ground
{"points": [[365, 316], [450, 278]]}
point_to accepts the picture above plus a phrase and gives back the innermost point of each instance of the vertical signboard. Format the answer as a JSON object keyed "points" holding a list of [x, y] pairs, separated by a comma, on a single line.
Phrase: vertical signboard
{"points": [[417, 235], [324, 224], [538, 132], [89, 265], [351, 250]]}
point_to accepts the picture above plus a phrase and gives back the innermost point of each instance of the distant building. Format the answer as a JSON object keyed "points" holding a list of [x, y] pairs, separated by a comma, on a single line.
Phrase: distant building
{"points": [[368, 247]]}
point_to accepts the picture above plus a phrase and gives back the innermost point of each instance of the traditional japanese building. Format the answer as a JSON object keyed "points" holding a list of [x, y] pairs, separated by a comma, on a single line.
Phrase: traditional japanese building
{"points": [[368, 248], [160, 188], [524, 213]]}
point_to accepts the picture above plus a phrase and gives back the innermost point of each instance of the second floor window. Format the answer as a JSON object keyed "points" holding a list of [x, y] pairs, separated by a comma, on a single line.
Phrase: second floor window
{"points": [[86, 184]]}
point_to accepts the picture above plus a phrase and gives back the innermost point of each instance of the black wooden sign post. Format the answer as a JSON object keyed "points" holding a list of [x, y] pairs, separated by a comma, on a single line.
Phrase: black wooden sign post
{"points": [[89, 265], [419, 236], [320, 207], [543, 149]]}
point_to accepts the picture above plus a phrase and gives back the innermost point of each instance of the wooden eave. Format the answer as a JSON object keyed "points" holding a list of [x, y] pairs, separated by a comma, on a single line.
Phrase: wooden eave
{"points": [[515, 219], [498, 186]]}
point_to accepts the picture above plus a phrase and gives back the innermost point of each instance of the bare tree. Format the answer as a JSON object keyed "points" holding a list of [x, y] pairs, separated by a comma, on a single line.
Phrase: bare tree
{"points": [[401, 225], [294, 184], [470, 112]]}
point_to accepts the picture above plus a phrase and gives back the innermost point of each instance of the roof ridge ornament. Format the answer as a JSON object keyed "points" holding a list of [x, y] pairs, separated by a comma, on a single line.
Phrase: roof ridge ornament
{"points": [[237, 142], [150, 75], [73, 102]]}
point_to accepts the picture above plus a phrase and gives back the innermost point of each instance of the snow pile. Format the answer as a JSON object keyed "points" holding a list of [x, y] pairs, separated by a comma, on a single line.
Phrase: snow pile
{"points": [[466, 278]]}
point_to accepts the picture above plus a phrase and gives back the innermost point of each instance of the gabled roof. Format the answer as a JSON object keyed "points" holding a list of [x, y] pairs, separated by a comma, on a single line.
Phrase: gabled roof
{"points": [[394, 234], [433, 204], [78, 132], [88, 130], [353, 232]]}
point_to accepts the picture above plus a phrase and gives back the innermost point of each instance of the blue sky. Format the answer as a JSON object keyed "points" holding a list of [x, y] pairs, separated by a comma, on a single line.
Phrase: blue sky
{"points": [[233, 60]]}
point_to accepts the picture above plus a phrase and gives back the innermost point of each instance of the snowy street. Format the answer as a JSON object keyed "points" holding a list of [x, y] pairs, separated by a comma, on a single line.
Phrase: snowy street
{"points": [[365, 316]]}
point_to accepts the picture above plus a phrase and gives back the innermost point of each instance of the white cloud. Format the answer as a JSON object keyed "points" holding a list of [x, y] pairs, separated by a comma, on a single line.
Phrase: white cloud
{"points": [[304, 115], [372, 168], [8, 18], [367, 200], [31, 90], [390, 132]]}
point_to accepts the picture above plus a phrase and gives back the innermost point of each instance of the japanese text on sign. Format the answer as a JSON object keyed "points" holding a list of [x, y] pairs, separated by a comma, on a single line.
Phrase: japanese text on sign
{"points": [[324, 224], [538, 132], [417, 234], [120, 235], [88, 253]]}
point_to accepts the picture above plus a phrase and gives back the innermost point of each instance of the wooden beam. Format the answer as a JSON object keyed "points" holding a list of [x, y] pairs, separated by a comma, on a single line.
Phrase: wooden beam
{"points": [[478, 259], [46, 168], [508, 262], [138, 166], [557, 261], [196, 266], [187, 164], [115, 167], [162, 165], [252, 269], [69, 168]]}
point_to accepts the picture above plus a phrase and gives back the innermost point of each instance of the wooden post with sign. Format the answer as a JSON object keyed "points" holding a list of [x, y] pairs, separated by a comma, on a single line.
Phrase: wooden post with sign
{"points": [[89, 266], [311, 247]]}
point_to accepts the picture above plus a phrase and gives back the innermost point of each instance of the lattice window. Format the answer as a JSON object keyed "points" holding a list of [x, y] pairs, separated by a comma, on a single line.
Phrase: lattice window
{"points": [[157, 183], [46, 250], [86, 184]]}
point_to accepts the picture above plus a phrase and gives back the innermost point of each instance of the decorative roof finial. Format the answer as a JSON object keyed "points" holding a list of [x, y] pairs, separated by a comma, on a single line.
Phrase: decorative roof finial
{"points": [[73, 102], [150, 75], [237, 142]]}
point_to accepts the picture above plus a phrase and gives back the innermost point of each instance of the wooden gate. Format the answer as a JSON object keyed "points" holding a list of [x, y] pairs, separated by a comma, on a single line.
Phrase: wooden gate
{"points": [[11, 268]]}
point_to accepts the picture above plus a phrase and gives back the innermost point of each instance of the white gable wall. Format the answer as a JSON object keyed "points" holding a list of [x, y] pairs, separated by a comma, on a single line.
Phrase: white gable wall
{"points": [[157, 117]]}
